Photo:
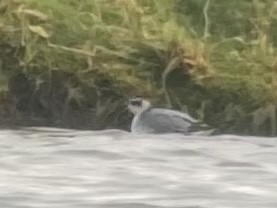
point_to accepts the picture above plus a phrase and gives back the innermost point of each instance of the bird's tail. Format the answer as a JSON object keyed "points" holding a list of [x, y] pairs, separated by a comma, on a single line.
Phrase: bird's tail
{"points": [[201, 129]]}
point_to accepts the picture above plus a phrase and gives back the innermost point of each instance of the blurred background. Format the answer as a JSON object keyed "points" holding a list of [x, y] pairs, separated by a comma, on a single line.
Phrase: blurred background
{"points": [[69, 63]]}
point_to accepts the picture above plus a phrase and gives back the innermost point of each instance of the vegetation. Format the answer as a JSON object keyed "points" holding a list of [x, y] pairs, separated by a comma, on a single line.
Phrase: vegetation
{"points": [[74, 63]]}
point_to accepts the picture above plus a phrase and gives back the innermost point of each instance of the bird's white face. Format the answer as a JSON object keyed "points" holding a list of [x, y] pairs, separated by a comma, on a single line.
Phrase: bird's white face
{"points": [[138, 105]]}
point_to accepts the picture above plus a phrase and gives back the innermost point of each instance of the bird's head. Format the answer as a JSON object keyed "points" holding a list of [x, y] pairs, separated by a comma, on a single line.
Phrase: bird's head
{"points": [[138, 105]]}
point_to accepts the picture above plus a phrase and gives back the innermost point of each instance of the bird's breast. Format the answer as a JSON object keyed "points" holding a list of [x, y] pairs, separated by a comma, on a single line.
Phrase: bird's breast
{"points": [[138, 126]]}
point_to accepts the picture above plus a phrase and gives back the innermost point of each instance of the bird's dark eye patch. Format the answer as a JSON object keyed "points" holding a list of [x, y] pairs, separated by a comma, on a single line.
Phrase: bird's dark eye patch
{"points": [[136, 102]]}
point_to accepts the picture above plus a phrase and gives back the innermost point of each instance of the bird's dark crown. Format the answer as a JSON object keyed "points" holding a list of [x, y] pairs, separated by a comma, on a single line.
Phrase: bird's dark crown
{"points": [[136, 101]]}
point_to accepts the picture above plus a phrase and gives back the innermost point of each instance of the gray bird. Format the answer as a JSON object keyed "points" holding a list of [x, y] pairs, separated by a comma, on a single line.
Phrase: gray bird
{"points": [[160, 121]]}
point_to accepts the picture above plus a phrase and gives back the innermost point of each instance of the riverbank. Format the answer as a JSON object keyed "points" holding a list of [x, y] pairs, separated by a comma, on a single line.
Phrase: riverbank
{"points": [[73, 65]]}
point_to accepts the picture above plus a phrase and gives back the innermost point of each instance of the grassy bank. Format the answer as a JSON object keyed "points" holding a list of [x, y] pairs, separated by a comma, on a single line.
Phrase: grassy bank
{"points": [[74, 63]]}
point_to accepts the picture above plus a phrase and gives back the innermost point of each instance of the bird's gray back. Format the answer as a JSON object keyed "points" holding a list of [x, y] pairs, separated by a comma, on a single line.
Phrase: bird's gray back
{"points": [[173, 113], [165, 121]]}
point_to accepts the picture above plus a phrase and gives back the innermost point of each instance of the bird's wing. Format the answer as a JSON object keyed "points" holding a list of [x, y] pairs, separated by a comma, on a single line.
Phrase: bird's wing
{"points": [[163, 120], [173, 113]]}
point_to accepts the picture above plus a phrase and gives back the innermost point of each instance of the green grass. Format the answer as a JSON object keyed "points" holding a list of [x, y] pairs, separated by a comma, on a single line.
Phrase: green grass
{"points": [[213, 58]]}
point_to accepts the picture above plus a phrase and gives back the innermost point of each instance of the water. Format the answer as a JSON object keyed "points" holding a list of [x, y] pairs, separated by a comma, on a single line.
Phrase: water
{"points": [[43, 168]]}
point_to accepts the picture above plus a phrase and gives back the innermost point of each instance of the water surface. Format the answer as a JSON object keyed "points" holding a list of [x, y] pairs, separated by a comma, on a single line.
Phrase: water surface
{"points": [[57, 168]]}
